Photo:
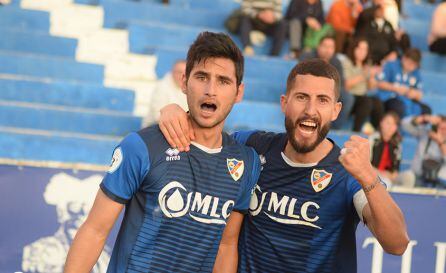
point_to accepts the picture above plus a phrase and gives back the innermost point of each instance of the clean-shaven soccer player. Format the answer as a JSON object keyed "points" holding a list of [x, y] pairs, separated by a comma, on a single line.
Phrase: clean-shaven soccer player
{"points": [[183, 210], [311, 194]]}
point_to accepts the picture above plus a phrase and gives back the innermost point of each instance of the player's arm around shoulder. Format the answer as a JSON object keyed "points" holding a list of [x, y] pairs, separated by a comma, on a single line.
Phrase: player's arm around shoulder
{"points": [[91, 236], [381, 214]]}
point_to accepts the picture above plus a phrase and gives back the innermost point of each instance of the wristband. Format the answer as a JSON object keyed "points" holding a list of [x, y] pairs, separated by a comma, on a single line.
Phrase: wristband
{"points": [[370, 187]]}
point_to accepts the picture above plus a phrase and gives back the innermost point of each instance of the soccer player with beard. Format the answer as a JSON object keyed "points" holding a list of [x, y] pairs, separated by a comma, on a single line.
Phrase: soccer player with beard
{"points": [[311, 194], [183, 210]]}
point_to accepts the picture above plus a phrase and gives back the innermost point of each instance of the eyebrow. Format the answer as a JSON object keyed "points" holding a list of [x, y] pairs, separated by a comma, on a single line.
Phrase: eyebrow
{"points": [[220, 77], [318, 96]]}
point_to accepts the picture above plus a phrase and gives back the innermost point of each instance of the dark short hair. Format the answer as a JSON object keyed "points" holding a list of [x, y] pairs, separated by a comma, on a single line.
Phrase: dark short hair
{"points": [[215, 45], [329, 37], [351, 50], [414, 54], [315, 67], [394, 115]]}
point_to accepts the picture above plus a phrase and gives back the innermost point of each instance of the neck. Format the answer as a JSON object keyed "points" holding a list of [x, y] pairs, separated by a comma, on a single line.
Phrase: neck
{"points": [[208, 137], [314, 156]]}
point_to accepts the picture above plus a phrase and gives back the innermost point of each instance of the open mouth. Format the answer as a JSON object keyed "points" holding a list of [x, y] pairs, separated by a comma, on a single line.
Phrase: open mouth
{"points": [[308, 126], [208, 107]]}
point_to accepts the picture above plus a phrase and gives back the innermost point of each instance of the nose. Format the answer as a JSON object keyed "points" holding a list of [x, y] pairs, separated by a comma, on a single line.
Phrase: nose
{"points": [[310, 107], [211, 88]]}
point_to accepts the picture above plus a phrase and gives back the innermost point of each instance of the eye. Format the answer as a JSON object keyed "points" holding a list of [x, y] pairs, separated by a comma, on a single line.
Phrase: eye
{"points": [[301, 97], [224, 82], [200, 77], [323, 100]]}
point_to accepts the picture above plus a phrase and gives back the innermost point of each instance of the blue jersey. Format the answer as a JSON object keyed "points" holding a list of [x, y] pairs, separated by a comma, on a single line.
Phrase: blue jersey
{"points": [[177, 203], [393, 73], [302, 218]]}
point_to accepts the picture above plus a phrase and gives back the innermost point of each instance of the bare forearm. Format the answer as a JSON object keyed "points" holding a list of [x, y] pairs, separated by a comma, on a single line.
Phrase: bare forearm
{"points": [[227, 259], [386, 220], [85, 250]]}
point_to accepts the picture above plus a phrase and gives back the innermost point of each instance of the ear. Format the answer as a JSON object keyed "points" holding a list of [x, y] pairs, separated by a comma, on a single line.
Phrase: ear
{"points": [[184, 83], [240, 93], [337, 110], [283, 102]]}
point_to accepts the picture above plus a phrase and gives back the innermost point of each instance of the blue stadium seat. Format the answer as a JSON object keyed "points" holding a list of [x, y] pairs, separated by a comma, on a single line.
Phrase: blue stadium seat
{"points": [[432, 82], [433, 62], [67, 94], [255, 115], [221, 5], [418, 11], [147, 37], [15, 18], [23, 115], [51, 146], [262, 91], [437, 103], [121, 13], [418, 30], [49, 67], [36, 42]]}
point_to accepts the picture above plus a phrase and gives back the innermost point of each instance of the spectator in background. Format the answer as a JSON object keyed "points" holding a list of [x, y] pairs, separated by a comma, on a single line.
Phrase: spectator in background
{"points": [[386, 148], [265, 16], [326, 51], [381, 37], [168, 90], [428, 165], [437, 36], [359, 78], [390, 13], [305, 17], [342, 17], [399, 85]]}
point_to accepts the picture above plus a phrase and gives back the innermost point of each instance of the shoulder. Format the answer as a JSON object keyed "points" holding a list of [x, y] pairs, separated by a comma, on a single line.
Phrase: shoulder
{"points": [[153, 139], [265, 141]]}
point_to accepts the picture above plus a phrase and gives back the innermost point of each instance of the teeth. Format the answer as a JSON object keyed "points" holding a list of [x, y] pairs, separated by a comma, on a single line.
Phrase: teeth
{"points": [[309, 123]]}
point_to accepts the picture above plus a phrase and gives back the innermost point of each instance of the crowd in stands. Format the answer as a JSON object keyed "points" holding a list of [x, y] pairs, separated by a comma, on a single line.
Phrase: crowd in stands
{"points": [[380, 75]]}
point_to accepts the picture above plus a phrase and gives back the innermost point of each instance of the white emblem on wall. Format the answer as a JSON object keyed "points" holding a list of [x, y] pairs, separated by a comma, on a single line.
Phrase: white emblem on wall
{"points": [[116, 160], [73, 199]]}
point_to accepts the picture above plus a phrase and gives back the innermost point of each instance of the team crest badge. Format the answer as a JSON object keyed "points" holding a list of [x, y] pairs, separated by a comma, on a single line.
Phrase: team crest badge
{"points": [[320, 179], [235, 168]]}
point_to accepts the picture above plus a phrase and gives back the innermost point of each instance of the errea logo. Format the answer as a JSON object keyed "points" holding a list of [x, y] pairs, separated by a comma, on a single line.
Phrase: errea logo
{"points": [[172, 154]]}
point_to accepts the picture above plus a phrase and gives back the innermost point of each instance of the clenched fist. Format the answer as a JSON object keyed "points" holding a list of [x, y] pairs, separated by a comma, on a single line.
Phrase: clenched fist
{"points": [[355, 157]]}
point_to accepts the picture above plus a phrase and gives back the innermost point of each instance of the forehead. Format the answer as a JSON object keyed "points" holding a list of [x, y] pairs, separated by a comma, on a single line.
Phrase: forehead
{"points": [[180, 65], [327, 42], [313, 85], [220, 66]]}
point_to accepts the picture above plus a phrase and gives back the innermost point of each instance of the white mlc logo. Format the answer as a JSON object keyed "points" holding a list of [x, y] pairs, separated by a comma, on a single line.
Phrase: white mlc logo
{"points": [[285, 207], [203, 209]]}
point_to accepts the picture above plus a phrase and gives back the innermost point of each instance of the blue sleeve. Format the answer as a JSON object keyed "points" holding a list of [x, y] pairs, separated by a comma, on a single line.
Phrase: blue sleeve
{"points": [[353, 187], [247, 188], [242, 136], [387, 73], [130, 164], [419, 83]]}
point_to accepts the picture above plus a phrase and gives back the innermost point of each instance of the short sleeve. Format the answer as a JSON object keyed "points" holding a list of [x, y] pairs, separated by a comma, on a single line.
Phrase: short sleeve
{"points": [[242, 136], [356, 195], [386, 74], [130, 164], [247, 188]]}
